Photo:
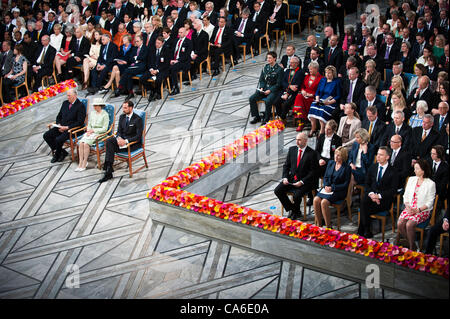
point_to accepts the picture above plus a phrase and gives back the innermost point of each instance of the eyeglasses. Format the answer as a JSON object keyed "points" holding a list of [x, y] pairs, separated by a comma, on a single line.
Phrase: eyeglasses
{"points": [[395, 141]]}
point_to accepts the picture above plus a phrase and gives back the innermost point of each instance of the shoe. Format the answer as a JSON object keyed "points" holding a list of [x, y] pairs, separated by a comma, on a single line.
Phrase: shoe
{"points": [[309, 202], [103, 90], [105, 178], [215, 72], [293, 215], [255, 120], [264, 122], [156, 97], [175, 91], [194, 77], [54, 159], [130, 96], [62, 156], [138, 92], [235, 62], [116, 93]]}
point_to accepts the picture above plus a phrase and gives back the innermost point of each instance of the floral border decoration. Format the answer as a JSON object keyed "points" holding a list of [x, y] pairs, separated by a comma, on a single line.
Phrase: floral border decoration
{"points": [[27, 101], [170, 191]]}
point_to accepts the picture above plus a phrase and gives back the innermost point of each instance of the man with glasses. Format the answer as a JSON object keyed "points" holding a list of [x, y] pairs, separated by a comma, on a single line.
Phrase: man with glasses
{"points": [[400, 159]]}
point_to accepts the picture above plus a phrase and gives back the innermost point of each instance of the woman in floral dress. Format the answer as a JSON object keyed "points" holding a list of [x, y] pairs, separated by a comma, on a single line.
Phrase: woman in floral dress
{"points": [[306, 95], [419, 198]]}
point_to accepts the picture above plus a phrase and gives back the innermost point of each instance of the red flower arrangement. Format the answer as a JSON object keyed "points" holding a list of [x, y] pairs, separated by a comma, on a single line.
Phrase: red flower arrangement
{"points": [[170, 192], [36, 97]]}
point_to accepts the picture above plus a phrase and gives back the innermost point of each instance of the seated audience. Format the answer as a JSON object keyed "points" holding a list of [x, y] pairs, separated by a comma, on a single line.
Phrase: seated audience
{"points": [[348, 125], [16, 75], [374, 126], [108, 52], [326, 145], [361, 156], [91, 59], [181, 60], [400, 159], [42, 64], [423, 138]]}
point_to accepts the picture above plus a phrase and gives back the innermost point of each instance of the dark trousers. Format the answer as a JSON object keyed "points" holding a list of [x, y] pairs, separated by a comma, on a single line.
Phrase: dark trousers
{"points": [[337, 20], [283, 106], [160, 77], [55, 139], [174, 69], [126, 80], [70, 64], [7, 88], [369, 207], [433, 235], [38, 77], [195, 65], [97, 77], [281, 192], [269, 100], [216, 60], [112, 147]]}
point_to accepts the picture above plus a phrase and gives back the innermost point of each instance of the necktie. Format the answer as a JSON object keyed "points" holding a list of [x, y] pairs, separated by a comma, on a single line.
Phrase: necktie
{"points": [[386, 56], [380, 174], [218, 36], [78, 45], [49, 27], [241, 26], [441, 121], [329, 54], [38, 35], [178, 49], [256, 16], [139, 50], [70, 105], [434, 167], [299, 157], [104, 52], [370, 129], [424, 136], [397, 130], [394, 155], [41, 61], [127, 121], [350, 92]]}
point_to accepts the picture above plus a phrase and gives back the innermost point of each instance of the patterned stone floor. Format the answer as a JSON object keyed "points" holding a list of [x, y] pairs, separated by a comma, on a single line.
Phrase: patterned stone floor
{"points": [[63, 235]]}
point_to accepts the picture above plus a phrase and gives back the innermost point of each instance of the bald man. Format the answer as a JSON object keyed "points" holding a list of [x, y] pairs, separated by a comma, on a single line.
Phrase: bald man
{"points": [[42, 63], [299, 175]]}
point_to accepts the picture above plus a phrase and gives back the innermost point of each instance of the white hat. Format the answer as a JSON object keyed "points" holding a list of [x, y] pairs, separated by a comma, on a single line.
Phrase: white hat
{"points": [[98, 101]]}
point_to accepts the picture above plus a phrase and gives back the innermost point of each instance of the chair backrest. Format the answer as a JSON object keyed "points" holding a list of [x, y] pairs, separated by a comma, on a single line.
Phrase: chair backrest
{"points": [[294, 12], [382, 98], [110, 109], [433, 213], [86, 107], [143, 115], [387, 74], [409, 76]]}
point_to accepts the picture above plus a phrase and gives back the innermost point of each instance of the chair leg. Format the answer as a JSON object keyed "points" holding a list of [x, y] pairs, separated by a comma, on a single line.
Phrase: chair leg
{"points": [[181, 80], [441, 243], [208, 62], [268, 43], [189, 76], [339, 218], [130, 168], [200, 70], [421, 240], [99, 164], [223, 62], [245, 52], [232, 61], [162, 90], [145, 159]]}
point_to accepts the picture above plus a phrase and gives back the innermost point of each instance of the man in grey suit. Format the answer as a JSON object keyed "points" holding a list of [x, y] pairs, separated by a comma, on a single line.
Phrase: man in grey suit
{"points": [[6, 57]]}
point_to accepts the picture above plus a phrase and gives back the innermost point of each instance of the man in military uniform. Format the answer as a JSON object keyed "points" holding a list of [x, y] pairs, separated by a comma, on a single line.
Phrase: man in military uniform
{"points": [[268, 88]]}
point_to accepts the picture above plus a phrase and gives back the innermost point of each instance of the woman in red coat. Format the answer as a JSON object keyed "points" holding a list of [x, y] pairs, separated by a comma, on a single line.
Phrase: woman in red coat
{"points": [[307, 93]]}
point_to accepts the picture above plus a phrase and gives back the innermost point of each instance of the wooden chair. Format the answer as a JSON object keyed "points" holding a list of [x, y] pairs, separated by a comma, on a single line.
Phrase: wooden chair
{"points": [[17, 87], [265, 36], [47, 77], [138, 77], [223, 61], [399, 196], [208, 65], [144, 92], [382, 216], [430, 221], [340, 205], [180, 75], [305, 199], [130, 157], [243, 46], [441, 242], [74, 135], [278, 32], [99, 147], [292, 12], [273, 107]]}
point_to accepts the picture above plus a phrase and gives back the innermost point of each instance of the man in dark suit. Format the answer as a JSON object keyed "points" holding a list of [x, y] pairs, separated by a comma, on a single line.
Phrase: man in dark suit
{"points": [[372, 54], [200, 41], [72, 114], [181, 60], [242, 33], [400, 159], [375, 126], [292, 80], [182, 11], [6, 58], [290, 53], [333, 54], [432, 68], [380, 189], [98, 6], [112, 23], [389, 50], [39, 31], [418, 46], [336, 15], [381, 38], [108, 52], [129, 130], [259, 19], [441, 119], [434, 233], [50, 25], [352, 91], [79, 48], [423, 138], [128, 7], [370, 94], [311, 40], [398, 127], [423, 92], [444, 59], [314, 56], [138, 66], [220, 42], [326, 144], [209, 11], [299, 173], [119, 12], [43, 62], [158, 67], [439, 169]]}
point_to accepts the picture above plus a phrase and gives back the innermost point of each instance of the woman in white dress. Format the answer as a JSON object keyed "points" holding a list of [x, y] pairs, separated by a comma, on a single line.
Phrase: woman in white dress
{"points": [[56, 37], [90, 61]]}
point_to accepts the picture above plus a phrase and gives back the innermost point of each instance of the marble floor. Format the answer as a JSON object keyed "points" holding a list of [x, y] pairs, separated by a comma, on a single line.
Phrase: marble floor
{"points": [[63, 235]]}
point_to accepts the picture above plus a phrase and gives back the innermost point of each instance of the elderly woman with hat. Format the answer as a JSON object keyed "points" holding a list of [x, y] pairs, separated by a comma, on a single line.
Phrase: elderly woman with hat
{"points": [[98, 124]]}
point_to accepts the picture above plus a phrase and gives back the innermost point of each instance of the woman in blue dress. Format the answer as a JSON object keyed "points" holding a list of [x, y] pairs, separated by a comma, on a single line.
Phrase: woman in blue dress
{"points": [[329, 91], [335, 185]]}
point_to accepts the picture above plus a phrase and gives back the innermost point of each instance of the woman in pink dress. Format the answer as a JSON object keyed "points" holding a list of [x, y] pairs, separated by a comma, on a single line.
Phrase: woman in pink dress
{"points": [[306, 95], [419, 198]]}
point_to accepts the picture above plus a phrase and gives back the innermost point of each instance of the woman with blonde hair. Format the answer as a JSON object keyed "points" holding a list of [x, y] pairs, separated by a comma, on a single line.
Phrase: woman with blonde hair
{"points": [[398, 104], [348, 125], [372, 77], [57, 37], [439, 45]]}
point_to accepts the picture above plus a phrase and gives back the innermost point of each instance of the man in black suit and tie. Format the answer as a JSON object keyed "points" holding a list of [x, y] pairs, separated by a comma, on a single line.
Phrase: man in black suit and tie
{"points": [[440, 227], [352, 91], [439, 169], [432, 68], [79, 48], [158, 67], [39, 31], [98, 6], [259, 19], [444, 60], [50, 25], [108, 52], [381, 38], [423, 138], [380, 190], [372, 54], [418, 46], [336, 15], [138, 66], [220, 42], [398, 126], [112, 23], [441, 119], [400, 159], [374, 126], [243, 33], [129, 130], [299, 174], [181, 60], [209, 11], [370, 94], [333, 54], [311, 40], [200, 41], [43, 62], [389, 51], [423, 92], [314, 56], [290, 53], [72, 114]]}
